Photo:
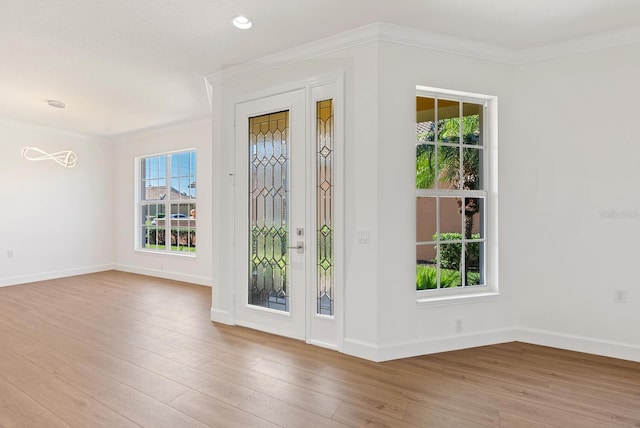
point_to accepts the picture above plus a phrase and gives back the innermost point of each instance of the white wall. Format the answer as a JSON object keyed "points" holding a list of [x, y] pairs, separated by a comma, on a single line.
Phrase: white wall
{"points": [[406, 328], [184, 268], [57, 221], [382, 319], [568, 210], [577, 227]]}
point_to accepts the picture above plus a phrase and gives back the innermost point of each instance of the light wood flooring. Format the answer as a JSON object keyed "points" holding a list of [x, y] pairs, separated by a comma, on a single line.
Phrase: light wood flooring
{"points": [[120, 350]]}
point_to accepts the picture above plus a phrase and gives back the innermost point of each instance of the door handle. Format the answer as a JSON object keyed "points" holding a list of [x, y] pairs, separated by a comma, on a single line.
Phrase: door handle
{"points": [[299, 246]]}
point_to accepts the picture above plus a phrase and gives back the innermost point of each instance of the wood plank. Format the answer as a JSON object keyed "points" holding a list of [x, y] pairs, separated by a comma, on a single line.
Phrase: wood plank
{"points": [[118, 349], [146, 411], [284, 414], [232, 393], [77, 408], [217, 413], [16, 407]]}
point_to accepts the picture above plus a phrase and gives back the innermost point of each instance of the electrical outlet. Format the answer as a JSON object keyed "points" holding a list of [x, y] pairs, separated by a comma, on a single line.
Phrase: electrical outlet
{"points": [[458, 326], [620, 296], [10, 254], [364, 237]]}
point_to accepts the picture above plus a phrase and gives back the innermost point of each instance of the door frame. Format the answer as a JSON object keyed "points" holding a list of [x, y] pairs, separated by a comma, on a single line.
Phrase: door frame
{"points": [[223, 302]]}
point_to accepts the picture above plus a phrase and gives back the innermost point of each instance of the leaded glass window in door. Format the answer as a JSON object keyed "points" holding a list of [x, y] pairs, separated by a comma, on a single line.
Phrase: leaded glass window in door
{"points": [[325, 204], [269, 211]]}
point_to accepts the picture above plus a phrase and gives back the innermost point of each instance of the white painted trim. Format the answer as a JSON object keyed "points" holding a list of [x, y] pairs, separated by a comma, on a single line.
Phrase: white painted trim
{"points": [[588, 345], [222, 317], [176, 276], [44, 276], [390, 33], [425, 39], [334, 43], [425, 347], [425, 300], [324, 345], [445, 344], [357, 348], [579, 45], [158, 129]]}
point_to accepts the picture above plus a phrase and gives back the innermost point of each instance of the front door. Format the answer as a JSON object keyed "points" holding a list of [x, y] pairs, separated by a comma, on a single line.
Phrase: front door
{"points": [[270, 231]]}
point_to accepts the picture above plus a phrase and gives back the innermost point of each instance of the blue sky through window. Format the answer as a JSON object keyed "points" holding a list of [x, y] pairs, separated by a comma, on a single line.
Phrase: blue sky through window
{"points": [[183, 172]]}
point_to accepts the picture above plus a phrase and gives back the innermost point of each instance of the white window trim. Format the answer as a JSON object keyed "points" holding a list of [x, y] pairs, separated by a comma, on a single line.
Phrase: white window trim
{"points": [[489, 291], [138, 244]]}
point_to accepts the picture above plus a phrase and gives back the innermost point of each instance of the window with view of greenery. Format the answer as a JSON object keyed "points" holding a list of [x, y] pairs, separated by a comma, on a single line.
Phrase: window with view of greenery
{"points": [[451, 192], [167, 202]]}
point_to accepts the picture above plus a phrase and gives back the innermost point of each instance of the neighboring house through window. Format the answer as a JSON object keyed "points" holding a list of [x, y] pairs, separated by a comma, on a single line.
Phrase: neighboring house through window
{"points": [[451, 191], [167, 202]]}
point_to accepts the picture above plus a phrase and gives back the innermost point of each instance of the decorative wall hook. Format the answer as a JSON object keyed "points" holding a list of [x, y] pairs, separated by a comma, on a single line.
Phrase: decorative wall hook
{"points": [[66, 158]]}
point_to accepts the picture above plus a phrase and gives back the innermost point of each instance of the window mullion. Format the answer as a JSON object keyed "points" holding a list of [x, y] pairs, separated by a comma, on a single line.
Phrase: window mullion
{"points": [[462, 267], [167, 204]]}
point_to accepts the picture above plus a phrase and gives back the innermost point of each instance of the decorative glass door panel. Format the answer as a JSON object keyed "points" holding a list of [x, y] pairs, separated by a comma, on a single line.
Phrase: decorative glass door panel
{"points": [[268, 211], [270, 216], [325, 203]]}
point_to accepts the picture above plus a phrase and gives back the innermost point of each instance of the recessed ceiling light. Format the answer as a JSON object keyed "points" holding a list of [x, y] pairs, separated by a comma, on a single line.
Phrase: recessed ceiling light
{"points": [[56, 104], [242, 22]]}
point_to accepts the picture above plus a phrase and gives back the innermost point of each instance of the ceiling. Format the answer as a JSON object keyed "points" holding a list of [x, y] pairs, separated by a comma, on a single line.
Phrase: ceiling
{"points": [[126, 65]]}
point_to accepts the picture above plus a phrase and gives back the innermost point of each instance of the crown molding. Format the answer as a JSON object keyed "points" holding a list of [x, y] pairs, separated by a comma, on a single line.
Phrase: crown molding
{"points": [[407, 36], [325, 46], [589, 43]]}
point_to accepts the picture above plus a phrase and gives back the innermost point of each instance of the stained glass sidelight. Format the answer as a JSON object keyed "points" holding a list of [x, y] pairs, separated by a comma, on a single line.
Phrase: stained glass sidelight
{"points": [[268, 211], [325, 198]]}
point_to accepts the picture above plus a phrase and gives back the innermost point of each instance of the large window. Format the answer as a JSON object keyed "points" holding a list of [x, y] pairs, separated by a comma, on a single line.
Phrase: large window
{"points": [[451, 191], [167, 202]]}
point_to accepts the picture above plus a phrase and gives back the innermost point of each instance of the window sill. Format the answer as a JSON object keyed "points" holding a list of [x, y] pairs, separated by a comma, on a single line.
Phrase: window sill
{"points": [[166, 253], [424, 300]]}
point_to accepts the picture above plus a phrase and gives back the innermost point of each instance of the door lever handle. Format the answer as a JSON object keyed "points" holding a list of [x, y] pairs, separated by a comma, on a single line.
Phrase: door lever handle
{"points": [[299, 246]]}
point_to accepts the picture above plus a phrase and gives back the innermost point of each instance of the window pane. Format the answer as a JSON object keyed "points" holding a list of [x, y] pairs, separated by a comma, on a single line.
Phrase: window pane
{"points": [[471, 129], [154, 167], [472, 169], [450, 278], [448, 125], [268, 222], [152, 226], [425, 219], [426, 267], [183, 176], [152, 187], [450, 218], [474, 218], [425, 114], [448, 171], [182, 226], [324, 204], [472, 262], [425, 166]]}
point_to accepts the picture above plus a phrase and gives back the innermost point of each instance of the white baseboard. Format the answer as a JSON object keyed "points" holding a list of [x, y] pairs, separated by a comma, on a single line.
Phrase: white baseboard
{"points": [[176, 276], [357, 348], [326, 345], [588, 345], [44, 276], [223, 317], [424, 347]]}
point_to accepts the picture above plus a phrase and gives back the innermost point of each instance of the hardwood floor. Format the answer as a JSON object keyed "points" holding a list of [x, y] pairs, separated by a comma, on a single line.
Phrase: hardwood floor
{"points": [[120, 350]]}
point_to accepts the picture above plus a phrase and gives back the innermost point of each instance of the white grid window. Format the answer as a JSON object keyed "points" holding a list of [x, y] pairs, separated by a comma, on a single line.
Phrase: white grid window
{"points": [[451, 191], [167, 202]]}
